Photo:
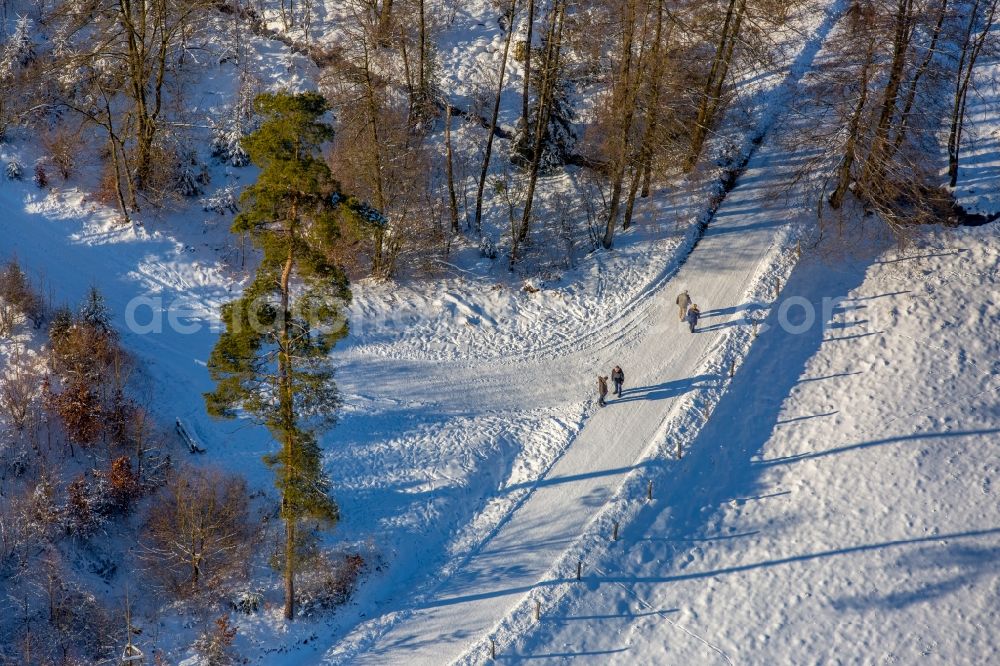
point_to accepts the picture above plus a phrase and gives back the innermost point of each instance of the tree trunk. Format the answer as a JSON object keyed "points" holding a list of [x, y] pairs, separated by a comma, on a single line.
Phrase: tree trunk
{"points": [[286, 397], [911, 93], [384, 19], [874, 168], [452, 199], [527, 67], [422, 75], [493, 119], [624, 107], [551, 66], [963, 78], [653, 103], [372, 107], [407, 74], [716, 80], [843, 173]]}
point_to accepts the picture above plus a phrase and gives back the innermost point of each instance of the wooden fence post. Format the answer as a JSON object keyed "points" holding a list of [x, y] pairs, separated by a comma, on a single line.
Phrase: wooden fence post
{"points": [[614, 530], [538, 611], [579, 568], [649, 490], [493, 648], [732, 368]]}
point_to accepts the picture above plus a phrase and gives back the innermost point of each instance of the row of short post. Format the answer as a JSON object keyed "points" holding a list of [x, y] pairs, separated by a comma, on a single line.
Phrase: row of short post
{"points": [[579, 570]]}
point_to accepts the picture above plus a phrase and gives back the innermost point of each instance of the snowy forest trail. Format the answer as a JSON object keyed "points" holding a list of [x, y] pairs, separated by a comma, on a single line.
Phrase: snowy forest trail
{"points": [[663, 367], [663, 363]]}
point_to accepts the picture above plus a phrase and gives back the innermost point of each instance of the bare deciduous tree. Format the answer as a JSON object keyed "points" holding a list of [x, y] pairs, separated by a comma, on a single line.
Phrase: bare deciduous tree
{"points": [[198, 532]]}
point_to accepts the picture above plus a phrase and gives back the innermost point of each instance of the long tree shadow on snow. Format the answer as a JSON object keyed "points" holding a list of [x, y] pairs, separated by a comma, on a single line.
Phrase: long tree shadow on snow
{"points": [[785, 460], [977, 562], [973, 562], [720, 465]]}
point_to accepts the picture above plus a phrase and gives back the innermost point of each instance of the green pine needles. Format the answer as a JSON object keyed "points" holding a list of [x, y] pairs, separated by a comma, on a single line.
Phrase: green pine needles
{"points": [[271, 361]]}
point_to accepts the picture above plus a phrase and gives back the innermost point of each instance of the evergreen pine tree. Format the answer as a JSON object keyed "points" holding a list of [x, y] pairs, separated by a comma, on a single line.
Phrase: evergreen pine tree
{"points": [[94, 312], [271, 360]]}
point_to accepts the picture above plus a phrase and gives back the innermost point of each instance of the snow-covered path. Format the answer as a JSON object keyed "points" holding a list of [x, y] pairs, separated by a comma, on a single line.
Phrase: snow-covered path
{"points": [[535, 544], [665, 363]]}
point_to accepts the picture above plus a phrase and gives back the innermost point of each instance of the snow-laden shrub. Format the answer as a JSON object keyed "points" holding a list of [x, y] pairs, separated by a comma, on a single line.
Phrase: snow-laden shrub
{"points": [[82, 517], [487, 248], [61, 148], [187, 180], [326, 582], [16, 292], [14, 170], [221, 201], [19, 51], [215, 645], [227, 146], [248, 602]]}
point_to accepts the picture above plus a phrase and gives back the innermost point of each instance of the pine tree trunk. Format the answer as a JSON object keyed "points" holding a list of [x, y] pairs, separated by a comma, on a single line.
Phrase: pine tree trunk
{"points": [[286, 398]]}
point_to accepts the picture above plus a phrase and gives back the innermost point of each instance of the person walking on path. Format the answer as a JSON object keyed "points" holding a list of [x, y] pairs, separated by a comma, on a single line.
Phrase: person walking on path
{"points": [[683, 301], [602, 389], [618, 378], [692, 316]]}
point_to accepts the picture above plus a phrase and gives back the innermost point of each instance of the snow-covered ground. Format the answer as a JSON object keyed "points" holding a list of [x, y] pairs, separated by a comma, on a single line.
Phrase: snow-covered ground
{"points": [[836, 499], [840, 503]]}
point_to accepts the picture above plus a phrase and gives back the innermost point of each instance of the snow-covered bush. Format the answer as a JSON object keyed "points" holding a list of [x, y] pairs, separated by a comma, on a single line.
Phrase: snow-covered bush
{"points": [[123, 487], [487, 248], [16, 292], [227, 146], [216, 644], [187, 180], [44, 512], [199, 531], [62, 148], [14, 170], [248, 602], [82, 519], [18, 391], [221, 201], [19, 50], [326, 582]]}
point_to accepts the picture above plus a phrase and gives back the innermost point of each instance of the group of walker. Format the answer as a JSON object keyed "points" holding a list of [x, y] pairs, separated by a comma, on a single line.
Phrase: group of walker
{"points": [[617, 378], [688, 311]]}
